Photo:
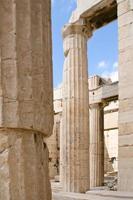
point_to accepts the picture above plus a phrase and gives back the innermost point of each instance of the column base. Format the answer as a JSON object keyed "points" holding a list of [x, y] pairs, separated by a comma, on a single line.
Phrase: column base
{"points": [[23, 166]]}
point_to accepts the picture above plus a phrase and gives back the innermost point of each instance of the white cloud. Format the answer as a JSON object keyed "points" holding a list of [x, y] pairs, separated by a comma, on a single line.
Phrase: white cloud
{"points": [[110, 75], [114, 76], [115, 65], [102, 64], [107, 74], [52, 2]]}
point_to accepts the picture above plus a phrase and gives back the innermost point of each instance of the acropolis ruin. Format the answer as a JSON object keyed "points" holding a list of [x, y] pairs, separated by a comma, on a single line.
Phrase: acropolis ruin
{"points": [[74, 142]]}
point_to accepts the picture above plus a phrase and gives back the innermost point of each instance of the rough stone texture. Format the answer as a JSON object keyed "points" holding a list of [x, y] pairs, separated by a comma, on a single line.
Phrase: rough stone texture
{"points": [[25, 65], [26, 111], [53, 143], [54, 140], [75, 156], [111, 138], [23, 166], [125, 23], [111, 151]]}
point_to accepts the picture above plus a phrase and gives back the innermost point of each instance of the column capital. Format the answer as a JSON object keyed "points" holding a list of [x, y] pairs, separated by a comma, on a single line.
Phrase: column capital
{"points": [[100, 105], [80, 27], [105, 103]]}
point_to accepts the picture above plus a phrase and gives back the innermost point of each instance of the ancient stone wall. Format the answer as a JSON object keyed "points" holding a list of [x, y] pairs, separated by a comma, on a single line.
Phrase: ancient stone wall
{"points": [[53, 143], [125, 25], [111, 138]]}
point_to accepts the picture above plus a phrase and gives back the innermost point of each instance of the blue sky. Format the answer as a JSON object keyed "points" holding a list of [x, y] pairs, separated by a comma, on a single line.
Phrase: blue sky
{"points": [[102, 47]]}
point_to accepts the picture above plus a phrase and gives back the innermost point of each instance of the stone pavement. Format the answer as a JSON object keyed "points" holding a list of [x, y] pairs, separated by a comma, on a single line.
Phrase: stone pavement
{"points": [[90, 195], [93, 196]]}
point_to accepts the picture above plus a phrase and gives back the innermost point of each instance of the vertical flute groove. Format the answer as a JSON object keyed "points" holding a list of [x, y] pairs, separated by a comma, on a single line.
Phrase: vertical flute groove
{"points": [[96, 140], [75, 113]]}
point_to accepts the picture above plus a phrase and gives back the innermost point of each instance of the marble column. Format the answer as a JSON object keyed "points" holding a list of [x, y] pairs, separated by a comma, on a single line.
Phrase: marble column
{"points": [[75, 138], [96, 138], [96, 145], [26, 112], [125, 152]]}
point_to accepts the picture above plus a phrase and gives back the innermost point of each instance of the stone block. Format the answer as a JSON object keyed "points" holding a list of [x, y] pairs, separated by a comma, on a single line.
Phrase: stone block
{"points": [[125, 18], [23, 166]]}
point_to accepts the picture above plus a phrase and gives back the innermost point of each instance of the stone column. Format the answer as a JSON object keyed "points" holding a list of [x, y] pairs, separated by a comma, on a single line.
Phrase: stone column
{"points": [[96, 138], [75, 156], [96, 145], [125, 155], [26, 113]]}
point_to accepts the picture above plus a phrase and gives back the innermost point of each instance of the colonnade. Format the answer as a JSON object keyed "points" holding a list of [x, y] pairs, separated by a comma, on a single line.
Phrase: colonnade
{"points": [[76, 132]]}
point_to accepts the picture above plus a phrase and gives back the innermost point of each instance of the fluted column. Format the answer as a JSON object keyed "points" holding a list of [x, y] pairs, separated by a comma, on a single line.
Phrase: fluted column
{"points": [[75, 147], [96, 145], [96, 137], [26, 112]]}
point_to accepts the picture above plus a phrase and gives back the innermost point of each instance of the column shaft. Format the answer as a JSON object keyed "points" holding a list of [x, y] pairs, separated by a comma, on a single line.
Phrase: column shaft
{"points": [[26, 112], [96, 146], [75, 113], [23, 166]]}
